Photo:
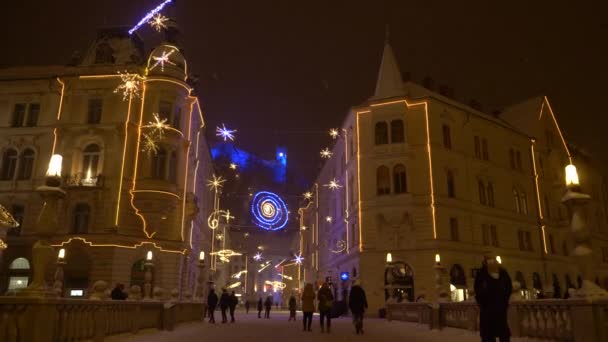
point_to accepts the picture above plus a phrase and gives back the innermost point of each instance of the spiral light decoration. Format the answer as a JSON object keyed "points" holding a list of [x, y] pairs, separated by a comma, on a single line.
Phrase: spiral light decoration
{"points": [[269, 211]]}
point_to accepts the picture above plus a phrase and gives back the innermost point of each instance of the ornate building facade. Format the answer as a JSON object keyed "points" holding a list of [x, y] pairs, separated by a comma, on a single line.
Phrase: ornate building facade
{"points": [[135, 159], [420, 174]]}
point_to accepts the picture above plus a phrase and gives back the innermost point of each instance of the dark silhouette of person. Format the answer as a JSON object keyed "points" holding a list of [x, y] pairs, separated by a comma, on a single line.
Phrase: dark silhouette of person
{"points": [[118, 293], [292, 308], [357, 302], [212, 305], [224, 305], [326, 302], [492, 292], [308, 305], [247, 305], [234, 301], [260, 307], [268, 306]]}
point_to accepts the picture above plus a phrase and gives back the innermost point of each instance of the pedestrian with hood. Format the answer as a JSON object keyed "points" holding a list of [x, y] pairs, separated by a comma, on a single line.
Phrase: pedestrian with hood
{"points": [[292, 308], [492, 292], [357, 303], [326, 303], [268, 306], [234, 301], [308, 305], [224, 305], [212, 305], [260, 307]]}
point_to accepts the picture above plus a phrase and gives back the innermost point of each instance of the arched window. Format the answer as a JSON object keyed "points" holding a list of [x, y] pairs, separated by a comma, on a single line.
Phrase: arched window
{"points": [[399, 179], [90, 160], [397, 132], [9, 164], [536, 282], [26, 164], [383, 180], [138, 273], [159, 160], [490, 195], [519, 277], [19, 271], [482, 192], [173, 167], [81, 218], [451, 185], [516, 199], [381, 133]]}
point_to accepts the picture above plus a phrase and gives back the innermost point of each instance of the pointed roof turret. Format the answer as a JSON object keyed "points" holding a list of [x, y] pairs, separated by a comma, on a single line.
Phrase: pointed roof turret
{"points": [[389, 83]]}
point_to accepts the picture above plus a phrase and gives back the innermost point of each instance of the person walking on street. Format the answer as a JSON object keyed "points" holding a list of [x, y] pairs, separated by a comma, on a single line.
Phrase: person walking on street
{"points": [[211, 305], [492, 291], [308, 305], [326, 302], [247, 304], [357, 302], [224, 304], [260, 307], [292, 308], [234, 301], [268, 306]]}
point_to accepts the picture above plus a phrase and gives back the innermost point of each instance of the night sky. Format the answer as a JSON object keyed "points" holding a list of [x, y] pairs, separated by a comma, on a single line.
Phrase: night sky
{"points": [[284, 72]]}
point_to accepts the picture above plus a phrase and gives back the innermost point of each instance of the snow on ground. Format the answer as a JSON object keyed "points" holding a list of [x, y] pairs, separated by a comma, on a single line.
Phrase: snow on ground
{"points": [[249, 327]]}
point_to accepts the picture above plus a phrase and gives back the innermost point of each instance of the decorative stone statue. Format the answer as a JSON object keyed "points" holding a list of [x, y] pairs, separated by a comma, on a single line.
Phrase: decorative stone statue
{"points": [[135, 292], [98, 290], [159, 293]]}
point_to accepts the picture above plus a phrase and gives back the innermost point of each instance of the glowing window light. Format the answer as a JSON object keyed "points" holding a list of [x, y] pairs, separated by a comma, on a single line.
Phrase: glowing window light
{"points": [[54, 169], [571, 175], [158, 22], [333, 184], [225, 133], [333, 133], [149, 16], [269, 211], [326, 153]]}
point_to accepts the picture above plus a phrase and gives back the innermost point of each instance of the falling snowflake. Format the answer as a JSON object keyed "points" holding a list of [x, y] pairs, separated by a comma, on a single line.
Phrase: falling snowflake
{"points": [[162, 59], [129, 86], [326, 153], [225, 133], [158, 22]]}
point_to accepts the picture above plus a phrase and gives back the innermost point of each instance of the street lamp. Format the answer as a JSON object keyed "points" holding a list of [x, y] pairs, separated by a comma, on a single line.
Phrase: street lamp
{"points": [[442, 294], [59, 275], [499, 259], [389, 258], [148, 275], [576, 201]]}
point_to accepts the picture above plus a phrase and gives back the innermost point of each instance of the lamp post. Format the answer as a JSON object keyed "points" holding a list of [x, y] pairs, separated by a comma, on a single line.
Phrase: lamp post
{"points": [[46, 226], [58, 285], [149, 264], [576, 201], [442, 294]]}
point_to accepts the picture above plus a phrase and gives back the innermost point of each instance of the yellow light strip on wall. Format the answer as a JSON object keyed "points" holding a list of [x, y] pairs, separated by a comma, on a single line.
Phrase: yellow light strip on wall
{"points": [[186, 171], [58, 114], [540, 208], [157, 192], [122, 166], [360, 223], [84, 77], [181, 84], [346, 218], [91, 244], [558, 130]]}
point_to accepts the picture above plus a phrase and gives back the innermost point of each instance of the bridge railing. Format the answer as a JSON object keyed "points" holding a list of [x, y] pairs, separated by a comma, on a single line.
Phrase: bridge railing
{"points": [[26, 319], [549, 319]]}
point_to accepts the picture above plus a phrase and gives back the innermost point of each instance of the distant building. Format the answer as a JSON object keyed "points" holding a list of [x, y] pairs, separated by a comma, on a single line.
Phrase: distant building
{"points": [[421, 174], [126, 194]]}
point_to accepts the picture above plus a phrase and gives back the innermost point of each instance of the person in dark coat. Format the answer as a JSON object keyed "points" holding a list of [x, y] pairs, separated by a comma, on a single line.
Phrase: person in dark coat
{"points": [[224, 305], [118, 293], [326, 302], [268, 306], [234, 301], [260, 307], [247, 305], [308, 305], [492, 291], [292, 308], [212, 305], [357, 302]]}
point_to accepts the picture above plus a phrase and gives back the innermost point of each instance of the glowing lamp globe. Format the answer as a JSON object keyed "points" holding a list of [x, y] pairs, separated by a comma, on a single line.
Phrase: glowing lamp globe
{"points": [[54, 169], [201, 256], [149, 256], [499, 259], [61, 254], [389, 257], [571, 176], [437, 258]]}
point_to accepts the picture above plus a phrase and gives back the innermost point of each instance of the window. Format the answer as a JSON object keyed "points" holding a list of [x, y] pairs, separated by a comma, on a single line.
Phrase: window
{"points": [[18, 115], [512, 158], [399, 179], [173, 167], [177, 118], [477, 147], [516, 199], [447, 136], [485, 234], [451, 186], [518, 160], [454, 236], [159, 160], [19, 271], [484, 149], [522, 240], [551, 244], [494, 235], [95, 107], [26, 164], [32, 115], [18, 212], [491, 195], [9, 164], [528, 236], [90, 160], [164, 110], [383, 182], [482, 192], [81, 216], [397, 133], [381, 133], [524, 203]]}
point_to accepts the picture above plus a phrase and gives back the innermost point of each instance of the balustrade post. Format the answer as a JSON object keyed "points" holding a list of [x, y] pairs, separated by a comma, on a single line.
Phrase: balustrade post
{"points": [[514, 320], [585, 326], [100, 321]]}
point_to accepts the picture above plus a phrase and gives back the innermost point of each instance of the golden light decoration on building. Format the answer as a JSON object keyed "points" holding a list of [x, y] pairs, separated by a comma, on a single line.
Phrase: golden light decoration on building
{"points": [[334, 133], [226, 253], [340, 247], [276, 284], [571, 176], [326, 153], [238, 275], [233, 166], [307, 195], [333, 184], [54, 169], [162, 60], [235, 285], [130, 86], [329, 219], [216, 182], [158, 22]]}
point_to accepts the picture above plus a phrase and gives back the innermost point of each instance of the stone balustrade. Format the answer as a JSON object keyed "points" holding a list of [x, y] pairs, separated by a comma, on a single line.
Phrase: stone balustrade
{"points": [[33, 320], [575, 320]]}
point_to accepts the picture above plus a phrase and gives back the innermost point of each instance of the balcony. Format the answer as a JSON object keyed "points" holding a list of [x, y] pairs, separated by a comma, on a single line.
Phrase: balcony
{"points": [[82, 179]]}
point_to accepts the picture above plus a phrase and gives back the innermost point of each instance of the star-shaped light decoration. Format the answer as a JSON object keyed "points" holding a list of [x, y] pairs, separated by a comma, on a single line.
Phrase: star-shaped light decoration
{"points": [[257, 257], [215, 183], [326, 153], [162, 59], [334, 133], [227, 216], [307, 195], [233, 166], [303, 228], [299, 259], [333, 184], [219, 237], [129, 86], [328, 219], [158, 22], [150, 144], [225, 133]]}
